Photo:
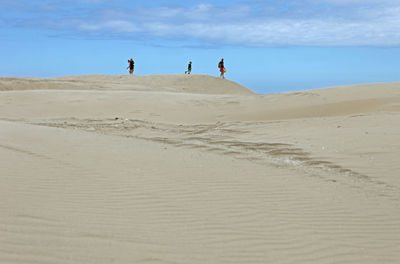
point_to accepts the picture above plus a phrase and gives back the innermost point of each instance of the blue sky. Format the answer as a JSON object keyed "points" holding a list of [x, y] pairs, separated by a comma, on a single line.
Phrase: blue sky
{"points": [[268, 46]]}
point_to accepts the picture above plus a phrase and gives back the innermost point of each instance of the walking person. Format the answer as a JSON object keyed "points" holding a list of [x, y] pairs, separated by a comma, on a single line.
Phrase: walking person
{"points": [[221, 67], [189, 70], [131, 66]]}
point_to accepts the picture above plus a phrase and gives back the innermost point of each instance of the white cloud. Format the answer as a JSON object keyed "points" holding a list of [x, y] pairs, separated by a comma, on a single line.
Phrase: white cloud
{"points": [[379, 27], [334, 23], [282, 32], [113, 25]]}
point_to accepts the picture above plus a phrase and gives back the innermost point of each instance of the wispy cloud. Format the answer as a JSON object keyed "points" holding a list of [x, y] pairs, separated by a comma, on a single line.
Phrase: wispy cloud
{"points": [[111, 25], [248, 23]]}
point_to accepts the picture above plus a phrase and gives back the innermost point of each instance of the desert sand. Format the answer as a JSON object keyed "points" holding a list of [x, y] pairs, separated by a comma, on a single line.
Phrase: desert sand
{"points": [[194, 169]]}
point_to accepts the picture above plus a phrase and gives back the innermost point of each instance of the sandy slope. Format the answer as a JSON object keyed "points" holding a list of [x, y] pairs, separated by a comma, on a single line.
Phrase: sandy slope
{"points": [[162, 83], [193, 169]]}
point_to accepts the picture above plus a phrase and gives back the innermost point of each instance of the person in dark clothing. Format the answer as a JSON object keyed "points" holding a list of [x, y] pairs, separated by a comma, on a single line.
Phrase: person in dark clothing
{"points": [[189, 70], [131, 66], [221, 67]]}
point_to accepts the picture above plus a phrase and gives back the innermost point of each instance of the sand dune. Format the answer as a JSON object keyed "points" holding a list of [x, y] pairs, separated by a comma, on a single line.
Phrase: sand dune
{"points": [[201, 84], [194, 169]]}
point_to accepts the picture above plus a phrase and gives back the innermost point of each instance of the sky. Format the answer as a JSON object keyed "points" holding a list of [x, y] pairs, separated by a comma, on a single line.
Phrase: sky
{"points": [[269, 46]]}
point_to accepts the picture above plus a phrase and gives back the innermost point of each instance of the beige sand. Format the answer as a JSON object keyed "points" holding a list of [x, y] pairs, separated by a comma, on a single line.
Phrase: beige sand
{"points": [[194, 169]]}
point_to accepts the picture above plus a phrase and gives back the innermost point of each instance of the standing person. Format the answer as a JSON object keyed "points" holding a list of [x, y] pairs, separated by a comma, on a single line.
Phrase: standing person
{"points": [[131, 66], [189, 70], [221, 67]]}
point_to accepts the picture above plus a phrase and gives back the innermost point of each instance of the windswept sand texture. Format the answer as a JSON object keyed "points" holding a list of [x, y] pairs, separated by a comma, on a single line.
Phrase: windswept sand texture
{"points": [[194, 169]]}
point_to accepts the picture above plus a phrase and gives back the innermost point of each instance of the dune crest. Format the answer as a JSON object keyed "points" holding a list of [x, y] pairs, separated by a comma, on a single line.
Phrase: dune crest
{"points": [[180, 83]]}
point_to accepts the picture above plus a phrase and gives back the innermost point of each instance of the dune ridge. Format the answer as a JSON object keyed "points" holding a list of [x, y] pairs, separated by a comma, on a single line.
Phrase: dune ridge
{"points": [[202, 84], [178, 169]]}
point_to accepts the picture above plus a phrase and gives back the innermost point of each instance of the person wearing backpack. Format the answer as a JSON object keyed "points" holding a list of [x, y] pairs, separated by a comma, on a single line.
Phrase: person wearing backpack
{"points": [[131, 66], [221, 67], [189, 70]]}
